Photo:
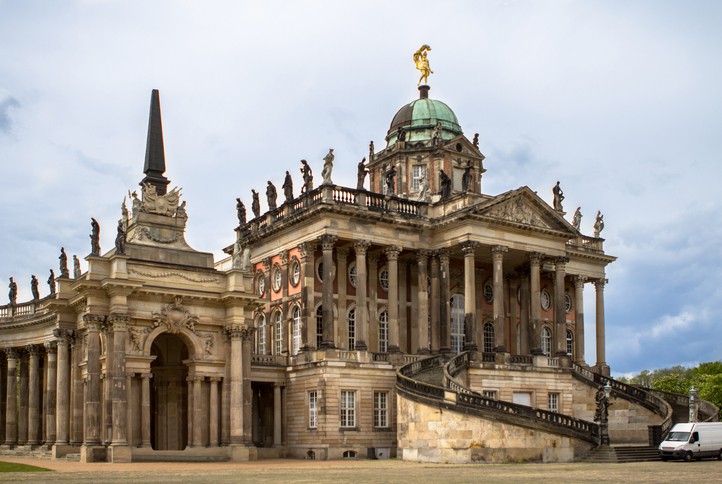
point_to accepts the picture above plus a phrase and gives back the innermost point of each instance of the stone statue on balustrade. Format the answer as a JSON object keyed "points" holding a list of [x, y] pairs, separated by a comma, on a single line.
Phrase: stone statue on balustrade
{"points": [[124, 217], [76, 267], [598, 224], [180, 212], [371, 150], [327, 168], [13, 294], [51, 282], [475, 141], [63, 258], [120, 240], [271, 195], [436, 136], [400, 135], [445, 185], [94, 237], [255, 204], [361, 173], [390, 181], [307, 175], [136, 205], [466, 177], [287, 187], [423, 188], [577, 218], [558, 197], [34, 287], [240, 212]]}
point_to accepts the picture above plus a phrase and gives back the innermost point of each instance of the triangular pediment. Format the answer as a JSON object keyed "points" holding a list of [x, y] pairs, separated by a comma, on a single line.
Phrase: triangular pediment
{"points": [[524, 207]]}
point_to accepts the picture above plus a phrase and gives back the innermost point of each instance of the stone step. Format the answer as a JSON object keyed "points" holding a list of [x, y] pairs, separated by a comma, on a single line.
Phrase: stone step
{"points": [[621, 454], [72, 457], [180, 456]]}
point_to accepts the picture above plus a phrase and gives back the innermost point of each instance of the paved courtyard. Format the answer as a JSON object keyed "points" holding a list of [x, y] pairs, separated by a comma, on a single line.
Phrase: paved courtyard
{"points": [[316, 472]]}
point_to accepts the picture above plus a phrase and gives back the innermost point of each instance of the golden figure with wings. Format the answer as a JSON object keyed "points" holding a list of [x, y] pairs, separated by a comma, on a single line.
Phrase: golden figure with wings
{"points": [[422, 63]]}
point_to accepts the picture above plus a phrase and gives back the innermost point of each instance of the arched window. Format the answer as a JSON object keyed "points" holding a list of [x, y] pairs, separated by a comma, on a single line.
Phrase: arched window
{"points": [[383, 332], [278, 330], [570, 342], [488, 337], [351, 318], [319, 326], [546, 341], [296, 316], [261, 325], [457, 323]]}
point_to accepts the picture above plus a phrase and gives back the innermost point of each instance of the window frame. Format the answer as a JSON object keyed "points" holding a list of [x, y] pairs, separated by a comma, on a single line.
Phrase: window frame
{"points": [[297, 329], [278, 332], [313, 409], [261, 348], [347, 409], [351, 328], [381, 410], [553, 399], [294, 272], [546, 341], [384, 331]]}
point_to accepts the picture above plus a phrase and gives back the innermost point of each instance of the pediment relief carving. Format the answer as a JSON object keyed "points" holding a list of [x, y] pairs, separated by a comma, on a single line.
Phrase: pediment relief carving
{"points": [[175, 317], [520, 210]]}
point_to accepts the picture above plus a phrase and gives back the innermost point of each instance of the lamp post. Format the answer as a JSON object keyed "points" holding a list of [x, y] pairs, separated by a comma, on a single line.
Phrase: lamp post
{"points": [[602, 413]]}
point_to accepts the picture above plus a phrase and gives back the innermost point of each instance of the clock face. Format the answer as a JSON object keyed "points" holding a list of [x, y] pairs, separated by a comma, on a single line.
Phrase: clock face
{"points": [[546, 300]]}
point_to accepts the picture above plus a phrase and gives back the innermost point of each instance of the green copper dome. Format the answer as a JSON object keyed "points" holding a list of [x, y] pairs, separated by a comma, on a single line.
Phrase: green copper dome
{"points": [[419, 117]]}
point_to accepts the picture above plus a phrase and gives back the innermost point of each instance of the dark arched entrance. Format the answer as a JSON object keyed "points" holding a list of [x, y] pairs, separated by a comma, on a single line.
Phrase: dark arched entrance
{"points": [[169, 395]]}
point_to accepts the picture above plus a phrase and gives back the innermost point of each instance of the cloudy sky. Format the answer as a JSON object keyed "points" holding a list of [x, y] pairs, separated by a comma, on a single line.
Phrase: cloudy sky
{"points": [[619, 100]]}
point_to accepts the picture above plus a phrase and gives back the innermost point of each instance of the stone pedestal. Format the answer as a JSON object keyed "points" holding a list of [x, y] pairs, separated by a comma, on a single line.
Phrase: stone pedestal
{"points": [[119, 454], [241, 453]]}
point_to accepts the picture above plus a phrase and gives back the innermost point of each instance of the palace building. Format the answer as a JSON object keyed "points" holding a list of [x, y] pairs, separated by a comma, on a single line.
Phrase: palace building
{"points": [[412, 316]]}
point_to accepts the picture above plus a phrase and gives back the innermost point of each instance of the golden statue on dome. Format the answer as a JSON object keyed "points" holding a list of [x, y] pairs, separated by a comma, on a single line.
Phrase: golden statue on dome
{"points": [[422, 63]]}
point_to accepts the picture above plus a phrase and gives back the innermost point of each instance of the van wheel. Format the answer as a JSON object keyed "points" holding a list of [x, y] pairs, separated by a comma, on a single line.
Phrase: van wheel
{"points": [[688, 457]]}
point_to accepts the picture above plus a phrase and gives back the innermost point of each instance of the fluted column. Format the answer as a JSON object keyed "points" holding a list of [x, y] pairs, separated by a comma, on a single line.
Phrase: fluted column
{"points": [[119, 394], [560, 313], [469, 249], [444, 303], [362, 310], [524, 311], [497, 255], [579, 319], [51, 349], [129, 419], [601, 347], [306, 250], [327, 244], [145, 409], [246, 346], [213, 412], [535, 260], [198, 409], [277, 416], [63, 387], [23, 398], [11, 422], [235, 334], [34, 415], [435, 304], [422, 261], [392, 257], [92, 389]]}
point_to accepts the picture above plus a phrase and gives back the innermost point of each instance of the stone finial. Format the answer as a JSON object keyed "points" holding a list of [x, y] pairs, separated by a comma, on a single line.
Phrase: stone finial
{"points": [[154, 167]]}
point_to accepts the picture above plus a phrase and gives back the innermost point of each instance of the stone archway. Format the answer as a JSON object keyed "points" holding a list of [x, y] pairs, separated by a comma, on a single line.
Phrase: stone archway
{"points": [[169, 393]]}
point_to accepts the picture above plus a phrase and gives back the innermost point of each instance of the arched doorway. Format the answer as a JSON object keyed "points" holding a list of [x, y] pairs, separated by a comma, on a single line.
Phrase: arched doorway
{"points": [[169, 394]]}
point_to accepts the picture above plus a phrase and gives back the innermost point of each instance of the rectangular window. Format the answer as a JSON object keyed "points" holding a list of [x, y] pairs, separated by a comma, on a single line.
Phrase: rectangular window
{"points": [[418, 173], [262, 338], [312, 409], [348, 408], [381, 409], [553, 402], [489, 394]]}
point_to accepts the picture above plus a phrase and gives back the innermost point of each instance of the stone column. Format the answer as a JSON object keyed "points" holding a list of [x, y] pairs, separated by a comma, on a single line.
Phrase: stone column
{"points": [[524, 311], [3, 395], [512, 331], [469, 249], [145, 409], [34, 415], [341, 330], [51, 349], [327, 243], [497, 255], [444, 303], [435, 304], [23, 399], [129, 418], [362, 310], [92, 397], [535, 260], [213, 413], [277, 406], [601, 348], [235, 333], [579, 319], [306, 250], [63, 388], [422, 261], [373, 319], [246, 347], [560, 313], [119, 396], [198, 409], [392, 257], [11, 422]]}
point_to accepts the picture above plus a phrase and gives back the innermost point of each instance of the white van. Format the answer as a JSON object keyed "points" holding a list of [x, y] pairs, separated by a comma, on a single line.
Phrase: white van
{"points": [[692, 441]]}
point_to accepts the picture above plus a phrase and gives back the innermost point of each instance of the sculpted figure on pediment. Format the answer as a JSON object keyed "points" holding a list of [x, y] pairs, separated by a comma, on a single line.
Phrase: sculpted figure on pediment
{"points": [[159, 204], [517, 211]]}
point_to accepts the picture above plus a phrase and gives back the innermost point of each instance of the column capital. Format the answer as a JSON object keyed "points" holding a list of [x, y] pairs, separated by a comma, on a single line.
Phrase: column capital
{"points": [[373, 257], [498, 251], [600, 283], [563, 260], [342, 252], [146, 376], [33, 350], [215, 379], [93, 321], [64, 336], [51, 347], [443, 256], [194, 378], [12, 354], [535, 258], [579, 281], [307, 248], [361, 246], [119, 321], [130, 374], [327, 241], [469, 247], [392, 252], [237, 331]]}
